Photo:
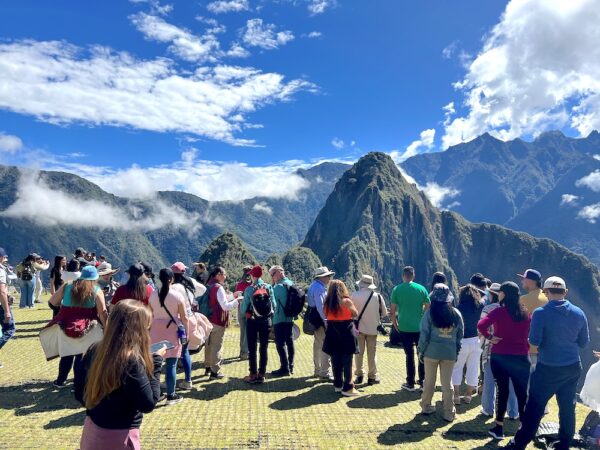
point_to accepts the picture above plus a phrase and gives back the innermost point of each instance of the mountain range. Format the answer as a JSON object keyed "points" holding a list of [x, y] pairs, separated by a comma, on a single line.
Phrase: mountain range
{"points": [[527, 186]]}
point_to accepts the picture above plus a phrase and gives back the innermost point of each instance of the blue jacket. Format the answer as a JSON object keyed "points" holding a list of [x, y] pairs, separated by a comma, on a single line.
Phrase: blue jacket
{"points": [[559, 329], [281, 297]]}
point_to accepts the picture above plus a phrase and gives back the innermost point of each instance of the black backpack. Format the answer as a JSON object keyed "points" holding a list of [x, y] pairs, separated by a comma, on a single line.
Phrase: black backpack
{"points": [[295, 301], [27, 273], [262, 308]]}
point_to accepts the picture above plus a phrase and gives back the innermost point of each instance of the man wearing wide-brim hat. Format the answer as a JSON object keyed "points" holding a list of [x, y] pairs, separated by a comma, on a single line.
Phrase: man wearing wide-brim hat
{"points": [[371, 309], [105, 280], [316, 297]]}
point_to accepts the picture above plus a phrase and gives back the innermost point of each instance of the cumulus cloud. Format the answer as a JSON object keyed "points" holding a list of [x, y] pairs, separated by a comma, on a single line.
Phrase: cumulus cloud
{"points": [[568, 199], [338, 143], [184, 43], [439, 194], [597, 157], [263, 208], [259, 34], [59, 83], [10, 143], [590, 213], [591, 181], [320, 6], [39, 202], [314, 34], [225, 6], [539, 69], [425, 142]]}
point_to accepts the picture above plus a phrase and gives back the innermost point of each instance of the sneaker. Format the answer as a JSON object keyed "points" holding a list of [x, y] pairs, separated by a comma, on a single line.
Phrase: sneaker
{"points": [[372, 381], [281, 373], [173, 399], [483, 412], [337, 390], [350, 393], [216, 376], [291, 370], [260, 379], [467, 399], [327, 378], [185, 385], [58, 384], [408, 387], [359, 379], [244, 357], [497, 432], [427, 410], [207, 372], [250, 379], [450, 419], [420, 388], [162, 398], [457, 399]]}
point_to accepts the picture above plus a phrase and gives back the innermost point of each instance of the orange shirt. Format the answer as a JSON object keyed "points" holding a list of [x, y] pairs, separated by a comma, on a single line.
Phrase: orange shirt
{"points": [[341, 314]]}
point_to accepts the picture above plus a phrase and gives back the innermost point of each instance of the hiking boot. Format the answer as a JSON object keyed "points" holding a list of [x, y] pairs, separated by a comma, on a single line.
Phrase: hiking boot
{"points": [[185, 385], [162, 398], [350, 393], [260, 379], [173, 399], [427, 410], [359, 379], [216, 376], [408, 387], [280, 373], [372, 381], [250, 379], [58, 384], [497, 432]]}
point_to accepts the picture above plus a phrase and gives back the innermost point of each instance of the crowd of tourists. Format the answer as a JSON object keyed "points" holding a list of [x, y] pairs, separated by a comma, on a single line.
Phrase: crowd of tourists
{"points": [[118, 336]]}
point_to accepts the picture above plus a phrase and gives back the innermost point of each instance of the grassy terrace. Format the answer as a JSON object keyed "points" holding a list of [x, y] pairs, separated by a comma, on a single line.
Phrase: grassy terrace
{"points": [[288, 413]]}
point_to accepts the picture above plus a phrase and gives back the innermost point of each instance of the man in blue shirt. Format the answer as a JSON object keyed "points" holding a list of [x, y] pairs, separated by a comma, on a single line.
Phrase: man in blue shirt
{"points": [[559, 329], [316, 297]]}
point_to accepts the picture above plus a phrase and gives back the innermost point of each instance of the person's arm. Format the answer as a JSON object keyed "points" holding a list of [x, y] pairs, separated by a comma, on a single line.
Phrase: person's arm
{"points": [[426, 299], [319, 300], [460, 333], [383, 312], [536, 329], [425, 334], [484, 324], [101, 307], [57, 297], [394, 309], [52, 286], [183, 315], [350, 305], [199, 289], [4, 302], [226, 305], [583, 338], [247, 298], [146, 390]]}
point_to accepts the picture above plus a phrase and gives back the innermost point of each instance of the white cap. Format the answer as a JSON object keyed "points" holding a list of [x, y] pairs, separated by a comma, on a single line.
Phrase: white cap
{"points": [[555, 283]]}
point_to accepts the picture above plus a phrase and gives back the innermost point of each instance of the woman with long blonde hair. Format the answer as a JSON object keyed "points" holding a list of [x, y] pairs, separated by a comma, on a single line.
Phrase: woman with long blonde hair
{"points": [[118, 379], [341, 336]]}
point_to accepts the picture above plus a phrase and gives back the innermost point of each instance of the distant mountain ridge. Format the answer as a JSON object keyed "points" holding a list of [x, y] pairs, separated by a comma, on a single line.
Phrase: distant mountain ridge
{"points": [[520, 184]]}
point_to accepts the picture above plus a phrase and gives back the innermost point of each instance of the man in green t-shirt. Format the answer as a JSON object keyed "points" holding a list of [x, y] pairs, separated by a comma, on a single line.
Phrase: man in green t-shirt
{"points": [[409, 301]]}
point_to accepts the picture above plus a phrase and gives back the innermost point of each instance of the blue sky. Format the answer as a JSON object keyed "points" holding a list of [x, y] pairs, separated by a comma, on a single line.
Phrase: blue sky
{"points": [[378, 66], [183, 94]]}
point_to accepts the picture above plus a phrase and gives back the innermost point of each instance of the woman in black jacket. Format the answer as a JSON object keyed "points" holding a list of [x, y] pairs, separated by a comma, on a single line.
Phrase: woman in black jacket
{"points": [[118, 380]]}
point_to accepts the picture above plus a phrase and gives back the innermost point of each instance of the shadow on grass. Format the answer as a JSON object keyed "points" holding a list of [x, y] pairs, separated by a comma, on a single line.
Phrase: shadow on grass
{"points": [[382, 401], [36, 397], [72, 420], [318, 395], [418, 429]]}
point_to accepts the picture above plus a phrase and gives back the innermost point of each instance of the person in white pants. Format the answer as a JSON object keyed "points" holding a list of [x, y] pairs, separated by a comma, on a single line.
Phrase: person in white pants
{"points": [[470, 305]]}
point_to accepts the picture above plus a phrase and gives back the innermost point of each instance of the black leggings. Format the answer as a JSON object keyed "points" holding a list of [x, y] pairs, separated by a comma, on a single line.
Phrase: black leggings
{"points": [[258, 334], [342, 370], [64, 367], [508, 368]]}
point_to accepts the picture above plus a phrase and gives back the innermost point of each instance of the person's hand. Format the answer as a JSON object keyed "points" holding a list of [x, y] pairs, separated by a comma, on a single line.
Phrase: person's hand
{"points": [[495, 339], [238, 294], [7, 316], [161, 351], [395, 325]]}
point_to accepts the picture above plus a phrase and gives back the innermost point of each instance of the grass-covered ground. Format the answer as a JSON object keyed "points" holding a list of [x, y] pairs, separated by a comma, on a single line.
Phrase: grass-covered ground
{"points": [[286, 413]]}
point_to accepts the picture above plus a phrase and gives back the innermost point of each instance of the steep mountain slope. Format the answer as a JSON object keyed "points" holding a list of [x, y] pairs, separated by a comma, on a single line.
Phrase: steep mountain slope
{"points": [[519, 184], [376, 222]]}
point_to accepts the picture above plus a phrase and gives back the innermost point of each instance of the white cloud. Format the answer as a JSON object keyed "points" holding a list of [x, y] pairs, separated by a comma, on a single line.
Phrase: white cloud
{"points": [[539, 69], [184, 44], [10, 143], [225, 6], [62, 84], [597, 157], [425, 141], [591, 181], [314, 34], [438, 194], [320, 6], [258, 34], [39, 202], [337, 143], [590, 213], [568, 199], [263, 207], [449, 50]]}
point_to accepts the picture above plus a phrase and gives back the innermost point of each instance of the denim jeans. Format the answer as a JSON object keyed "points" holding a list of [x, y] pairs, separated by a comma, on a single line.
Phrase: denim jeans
{"points": [[488, 396], [186, 362], [546, 382], [285, 345], [342, 371], [27, 289], [8, 329], [170, 374]]}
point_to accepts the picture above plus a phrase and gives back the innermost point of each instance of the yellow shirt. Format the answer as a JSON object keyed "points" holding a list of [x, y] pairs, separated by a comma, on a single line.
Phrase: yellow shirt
{"points": [[531, 301]]}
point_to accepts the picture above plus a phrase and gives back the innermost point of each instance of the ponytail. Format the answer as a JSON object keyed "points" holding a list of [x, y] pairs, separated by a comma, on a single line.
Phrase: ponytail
{"points": [[166, 277]]}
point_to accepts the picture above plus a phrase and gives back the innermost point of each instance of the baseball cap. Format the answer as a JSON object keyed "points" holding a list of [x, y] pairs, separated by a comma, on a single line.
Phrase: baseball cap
{"points": [[555, 283], [531, 274], [178, 267], [3, 252], [256, 272]]}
